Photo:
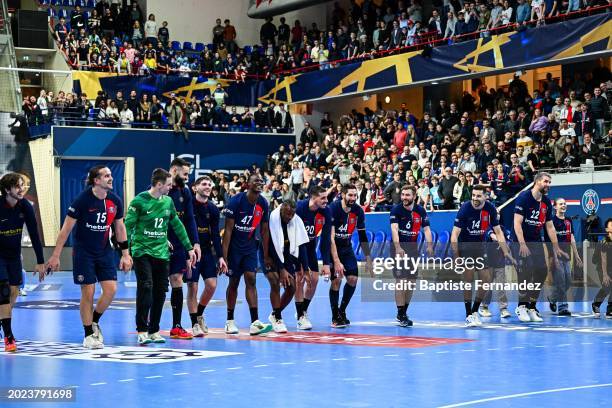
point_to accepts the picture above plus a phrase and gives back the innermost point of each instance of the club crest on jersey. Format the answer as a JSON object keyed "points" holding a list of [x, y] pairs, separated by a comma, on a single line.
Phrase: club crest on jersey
{"points": [[111, 210], [181, 199], [590, 202]]}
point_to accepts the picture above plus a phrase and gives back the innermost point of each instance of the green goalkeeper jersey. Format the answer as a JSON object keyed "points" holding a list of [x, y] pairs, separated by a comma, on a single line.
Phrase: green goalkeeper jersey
{"points": [[147, 223]]}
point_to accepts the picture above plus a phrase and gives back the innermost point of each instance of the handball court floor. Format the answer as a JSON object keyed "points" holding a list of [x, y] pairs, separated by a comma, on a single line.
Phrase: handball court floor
{"points": [[374, 363]]}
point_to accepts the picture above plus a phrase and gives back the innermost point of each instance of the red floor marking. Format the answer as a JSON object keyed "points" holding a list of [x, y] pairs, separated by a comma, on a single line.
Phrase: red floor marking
{"points": [[348, 339]]}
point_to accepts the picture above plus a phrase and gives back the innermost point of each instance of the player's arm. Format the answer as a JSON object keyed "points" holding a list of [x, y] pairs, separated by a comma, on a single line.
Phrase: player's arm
{"points": [[326, 234], [181, 233], [265, 235], [501, 240], [395, 239], [132, 218], [604, 264], [227, 236], [338, 267], [575, 251], [363, 237], [455, 240], [30, 221], [191, 227], [216, 240], [518, 231], [125, 263], [552, 234], [53, 262], [428, 240]]}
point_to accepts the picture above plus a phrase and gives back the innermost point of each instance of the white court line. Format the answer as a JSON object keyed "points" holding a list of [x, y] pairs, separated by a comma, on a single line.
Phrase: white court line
{"points": [[339, 359], [260, 365], [234, 368], [469, 350], [127, 380], [207, 371], [525, 394], [313, 361], [100, 383], [517, 347], [180, 373], [154, 376], [391, 355], [362, 357], [287, 363], [416, 354]]}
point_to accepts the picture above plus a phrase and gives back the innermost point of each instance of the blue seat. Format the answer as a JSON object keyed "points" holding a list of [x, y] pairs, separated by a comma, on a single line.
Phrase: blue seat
{"points": [[45, 2], [319, 256], [386, 246], [442, 244], [62, 13], [66, 3], [378, 243], [248, 50], [210, 47], [51, 12], [87, 15], [176, 46], [91, 4], [187, 46], [199, 47], [56, 2], [355, 244]]}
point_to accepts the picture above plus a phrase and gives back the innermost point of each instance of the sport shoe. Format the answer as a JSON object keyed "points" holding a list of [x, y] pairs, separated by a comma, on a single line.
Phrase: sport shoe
{"points": [[22, 292], [10, 345], [552, 305], [279, 326], [596, 310], [231, 328], [477, 319], [504, 313], [257, 328], [180, 333], [522, 313], [202, 323], [304, 323], [91, 342], [272, 319], [156, 338], [404, 321], [197, 330], [609, 314], [97, 332], [484, 311], [338, 322], [535, 316], [342, 315], [470, 321], [565, 312], [143, 338]]}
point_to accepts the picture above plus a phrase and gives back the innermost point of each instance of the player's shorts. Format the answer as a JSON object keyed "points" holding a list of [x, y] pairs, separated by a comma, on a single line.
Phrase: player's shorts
{"points": [[178, 261], [239, 263], [535, 263], [348, 259], [313, 262], [475, 252], [10, 270], [87, 269], [409, 273], [206, 268]]}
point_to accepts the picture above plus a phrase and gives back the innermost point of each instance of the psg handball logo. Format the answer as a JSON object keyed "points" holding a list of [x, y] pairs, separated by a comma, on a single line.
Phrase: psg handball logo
{"points": [[590, 202]]}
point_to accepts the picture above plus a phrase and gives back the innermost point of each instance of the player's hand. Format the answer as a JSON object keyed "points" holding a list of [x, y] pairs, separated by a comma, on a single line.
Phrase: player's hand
{"points": [[430, 249], [269, 262], [53, 263], [41, 271], [325, 272], [191, 262], [606, 280], [284, 278], [369, 267], [170, 246], [125, 264], [307, 276], [579, 262], [559, 253], [400, 252], [222, 265], [339, 269], [510, 258], [524, 251], [198, 251]]}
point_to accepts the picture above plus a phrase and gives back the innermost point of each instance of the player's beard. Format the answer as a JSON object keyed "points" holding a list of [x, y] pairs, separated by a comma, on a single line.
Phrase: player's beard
{"points": [[348, 202], [476, 203], [179, 182], [407, 203], [16, 196]]}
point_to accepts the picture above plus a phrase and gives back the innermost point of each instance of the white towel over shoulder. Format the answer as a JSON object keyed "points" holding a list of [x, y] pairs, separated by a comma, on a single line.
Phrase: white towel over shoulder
{"points": [[295, 231]]}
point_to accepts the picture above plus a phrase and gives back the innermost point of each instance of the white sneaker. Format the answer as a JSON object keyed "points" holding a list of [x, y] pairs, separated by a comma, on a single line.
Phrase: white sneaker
{"points": [[484, 311], [257, 327], [504, 313], [279, 326], [535, 316], [304, 323], [197, 330], [22, 292], [272, 318], [231, 328], [97, 332], [143, 338], [202, 323], [470, 320], [522, 313], [477, 319], [156, 338], [92, 343]]}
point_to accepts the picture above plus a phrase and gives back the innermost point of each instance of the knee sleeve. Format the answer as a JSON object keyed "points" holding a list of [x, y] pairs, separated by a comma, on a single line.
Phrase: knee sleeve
{"points": [[5, 293]]}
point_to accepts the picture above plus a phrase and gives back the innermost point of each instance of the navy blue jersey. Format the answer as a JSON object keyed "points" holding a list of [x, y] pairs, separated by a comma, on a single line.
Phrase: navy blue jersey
{"points": [[93, 221], [409, 223], [488, 178], [345, 223], [12, 220], [318, 224], [535, 215], [183, 203], [475, 223], [207, 221], [247, 219], [564, 229]]}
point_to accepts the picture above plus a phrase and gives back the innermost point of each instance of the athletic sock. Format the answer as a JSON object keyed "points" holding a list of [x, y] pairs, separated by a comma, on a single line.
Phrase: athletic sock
{"points": [[532, 305], [347, 294], [299, 308], [230, 314], [254, 314], [96, 316], [468, 308], [176, 300], [523, 304], [400, 310], [334, 296], [597, 304], [6, 327], [201, 308], [305, 304], [277, 313], [88, 330], [476, 305], [194, 318]]}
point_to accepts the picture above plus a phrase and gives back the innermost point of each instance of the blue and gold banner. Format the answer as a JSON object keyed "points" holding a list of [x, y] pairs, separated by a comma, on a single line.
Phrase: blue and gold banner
{"points": [[507, 51]]}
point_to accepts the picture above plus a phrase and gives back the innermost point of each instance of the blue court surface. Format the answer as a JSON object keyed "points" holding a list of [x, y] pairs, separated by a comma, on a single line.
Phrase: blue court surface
{"points": [[374, 363]]}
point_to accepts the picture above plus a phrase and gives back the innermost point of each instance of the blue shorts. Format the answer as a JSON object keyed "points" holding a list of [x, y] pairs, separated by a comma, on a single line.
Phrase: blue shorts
{"points": [[239, 263], [87, 269], [348, 259], [178, 261], [10, 270], [206, 268], [313, 262]]}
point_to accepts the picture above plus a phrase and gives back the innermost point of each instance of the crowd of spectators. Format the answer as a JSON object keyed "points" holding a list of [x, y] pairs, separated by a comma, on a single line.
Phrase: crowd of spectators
{"points": [[120, 39], [447, 151]]}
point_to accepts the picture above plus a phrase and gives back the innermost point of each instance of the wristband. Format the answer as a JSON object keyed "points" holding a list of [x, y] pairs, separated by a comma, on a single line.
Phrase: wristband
{"points": [[123, 245]]}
